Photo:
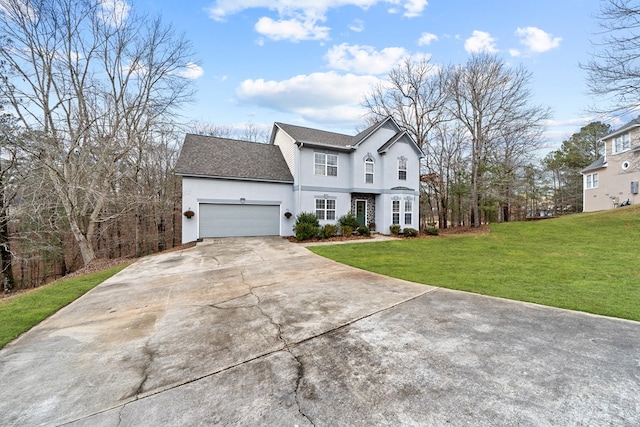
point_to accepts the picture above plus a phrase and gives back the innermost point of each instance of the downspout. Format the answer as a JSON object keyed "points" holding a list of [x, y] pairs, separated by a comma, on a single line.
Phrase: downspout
{"points": [[298, 178]]}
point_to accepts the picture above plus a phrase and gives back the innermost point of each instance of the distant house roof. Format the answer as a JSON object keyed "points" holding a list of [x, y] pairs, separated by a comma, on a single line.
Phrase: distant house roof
{"points": [[624, 128], [598, 164], [210, 156]]}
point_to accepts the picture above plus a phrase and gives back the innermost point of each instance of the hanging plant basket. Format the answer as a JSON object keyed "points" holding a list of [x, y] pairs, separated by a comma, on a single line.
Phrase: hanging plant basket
{"points": [[189, 213], [287, 214]]}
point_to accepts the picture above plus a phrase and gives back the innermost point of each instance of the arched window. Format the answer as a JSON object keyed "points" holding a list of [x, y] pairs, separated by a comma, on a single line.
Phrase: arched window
{"points": [[368, 170]]}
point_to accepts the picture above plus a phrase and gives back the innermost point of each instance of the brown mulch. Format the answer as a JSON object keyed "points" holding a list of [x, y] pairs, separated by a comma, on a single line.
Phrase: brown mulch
{"points": [[483, 229]]}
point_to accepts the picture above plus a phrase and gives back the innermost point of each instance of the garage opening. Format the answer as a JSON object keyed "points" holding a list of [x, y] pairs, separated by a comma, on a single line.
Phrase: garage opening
{"points": [[224, 220]]}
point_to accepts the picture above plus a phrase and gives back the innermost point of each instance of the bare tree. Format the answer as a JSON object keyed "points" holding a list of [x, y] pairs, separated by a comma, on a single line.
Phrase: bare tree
{"points": [[413, 95], [613, 72], [492, 101], [90, 84], [9, 175]]}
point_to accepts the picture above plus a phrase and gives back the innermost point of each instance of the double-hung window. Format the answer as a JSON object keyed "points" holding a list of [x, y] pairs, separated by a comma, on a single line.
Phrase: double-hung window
{"points": [[408, 212], [395, 212], [325, 164], [402, 169], [591, 180], [326, 209], [621, 143], [368, 170]]}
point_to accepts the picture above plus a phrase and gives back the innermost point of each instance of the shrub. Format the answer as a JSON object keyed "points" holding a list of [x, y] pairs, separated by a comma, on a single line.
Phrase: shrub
{"points": [[432, 231], [307, 226], [410, 232], [394, 229], [307, 218], [306, 231], [329, 230], [346, 230], [363, 230], [350, 220]]}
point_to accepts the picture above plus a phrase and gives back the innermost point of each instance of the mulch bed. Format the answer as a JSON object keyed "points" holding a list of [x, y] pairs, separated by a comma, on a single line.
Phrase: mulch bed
{"points": [[483, 229]]}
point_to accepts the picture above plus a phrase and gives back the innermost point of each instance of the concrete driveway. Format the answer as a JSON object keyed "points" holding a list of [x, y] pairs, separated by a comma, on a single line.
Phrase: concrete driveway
{"points": [[259, 331]]}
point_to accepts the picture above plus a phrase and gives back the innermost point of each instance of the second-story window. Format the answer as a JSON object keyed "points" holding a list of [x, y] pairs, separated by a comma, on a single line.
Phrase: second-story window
{"points": [[368, 170], [325, 164], [402, 169], [621, 143]]}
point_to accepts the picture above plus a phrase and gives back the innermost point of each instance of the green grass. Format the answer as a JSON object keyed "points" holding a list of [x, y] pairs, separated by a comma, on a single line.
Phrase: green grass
{"points": [[20, 313], [588, 262]]}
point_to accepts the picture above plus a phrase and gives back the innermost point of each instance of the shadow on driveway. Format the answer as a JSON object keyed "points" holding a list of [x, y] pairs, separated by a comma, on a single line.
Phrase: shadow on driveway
{"points": [[260, 331]]}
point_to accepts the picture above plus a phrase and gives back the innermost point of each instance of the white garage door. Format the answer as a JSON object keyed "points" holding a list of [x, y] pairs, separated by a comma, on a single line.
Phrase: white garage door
{"points": [[239, 220]]}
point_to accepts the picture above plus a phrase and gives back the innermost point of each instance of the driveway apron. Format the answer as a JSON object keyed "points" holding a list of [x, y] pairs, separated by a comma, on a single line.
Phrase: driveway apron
{"points": [[260, 331]]}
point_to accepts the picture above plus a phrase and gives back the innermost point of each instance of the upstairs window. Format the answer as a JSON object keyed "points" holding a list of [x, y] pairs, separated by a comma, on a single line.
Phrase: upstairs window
{"points": [[368, 170], [621, 143], [402, 169], [325, 164], [326, 209], [591, 181]]}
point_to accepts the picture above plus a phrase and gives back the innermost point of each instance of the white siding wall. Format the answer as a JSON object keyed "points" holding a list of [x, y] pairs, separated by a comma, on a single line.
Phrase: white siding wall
{"points": [[287, 146], [207, 190]]}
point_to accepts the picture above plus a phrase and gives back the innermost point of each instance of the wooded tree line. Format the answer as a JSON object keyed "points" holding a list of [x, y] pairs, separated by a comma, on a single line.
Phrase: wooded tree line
{"points": [[90, 91]]}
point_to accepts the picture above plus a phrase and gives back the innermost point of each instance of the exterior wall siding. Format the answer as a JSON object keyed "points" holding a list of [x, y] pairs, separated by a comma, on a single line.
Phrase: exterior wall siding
{"points": [[208, 190], [287, 147], [614, 180]]}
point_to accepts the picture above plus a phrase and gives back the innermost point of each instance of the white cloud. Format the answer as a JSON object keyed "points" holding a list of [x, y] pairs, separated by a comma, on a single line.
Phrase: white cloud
{"points": [[297, 20], [319, 97], [515, 52], [414, 8], [480, 41], [191, 71], [357, 26], [364, 59], [114, 12], [427, 38], [291, 29], [537, 40]]}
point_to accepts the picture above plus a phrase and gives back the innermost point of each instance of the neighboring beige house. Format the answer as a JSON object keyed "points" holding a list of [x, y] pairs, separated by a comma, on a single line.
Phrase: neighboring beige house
{"points": [[612, 180]]}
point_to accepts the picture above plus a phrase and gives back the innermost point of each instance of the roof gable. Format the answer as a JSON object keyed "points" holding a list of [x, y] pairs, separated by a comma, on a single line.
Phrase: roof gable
{"points": [[210, 156], [303, 135], [319, 138]]}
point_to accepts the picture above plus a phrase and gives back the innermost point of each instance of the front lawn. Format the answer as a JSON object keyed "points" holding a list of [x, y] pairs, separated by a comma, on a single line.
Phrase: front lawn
{"points": [[20, 313], [587, 262]]}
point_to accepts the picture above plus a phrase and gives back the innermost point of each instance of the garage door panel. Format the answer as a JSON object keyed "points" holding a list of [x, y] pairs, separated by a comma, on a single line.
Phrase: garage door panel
{"points": [[220, 220]]}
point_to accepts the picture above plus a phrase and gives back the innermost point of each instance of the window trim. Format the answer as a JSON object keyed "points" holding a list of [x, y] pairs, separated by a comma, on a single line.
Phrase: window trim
{"points": [[369, 161], [321, 160], [395, 212], [625, 143], [325, 209], [590, 183], [408, 212], [402, 169]]}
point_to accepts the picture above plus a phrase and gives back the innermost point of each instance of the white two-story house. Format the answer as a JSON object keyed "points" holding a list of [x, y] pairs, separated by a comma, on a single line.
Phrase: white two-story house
{"points": [[239, 188], [612, 180]]}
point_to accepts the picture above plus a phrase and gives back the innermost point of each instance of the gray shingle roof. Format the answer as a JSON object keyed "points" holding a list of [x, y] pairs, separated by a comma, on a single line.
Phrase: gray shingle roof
{"points": [[600, 163], [315, 136], [210, 156]]}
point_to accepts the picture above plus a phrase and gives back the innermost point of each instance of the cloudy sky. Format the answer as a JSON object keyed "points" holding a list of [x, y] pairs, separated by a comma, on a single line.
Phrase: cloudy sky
{"points": [[310, 62]]}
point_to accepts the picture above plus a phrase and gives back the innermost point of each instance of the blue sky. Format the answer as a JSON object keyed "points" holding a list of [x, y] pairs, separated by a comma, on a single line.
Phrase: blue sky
{"points": [[311, 62]]}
